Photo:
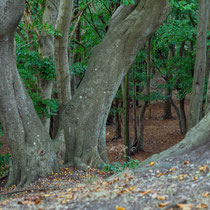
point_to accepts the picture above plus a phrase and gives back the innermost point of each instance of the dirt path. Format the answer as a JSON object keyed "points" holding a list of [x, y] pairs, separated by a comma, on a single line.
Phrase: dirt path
{"points": [[159, 134]]}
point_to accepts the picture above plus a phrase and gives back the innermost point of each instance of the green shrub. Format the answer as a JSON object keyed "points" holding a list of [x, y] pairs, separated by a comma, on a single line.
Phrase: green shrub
{"points": [[4, 162], [119, 167]]}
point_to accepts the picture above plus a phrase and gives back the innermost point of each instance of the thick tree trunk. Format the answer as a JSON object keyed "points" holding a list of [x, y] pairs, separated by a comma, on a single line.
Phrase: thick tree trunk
{"points": [[200, 66], [29, 143], [46, 45], [83, 120]]}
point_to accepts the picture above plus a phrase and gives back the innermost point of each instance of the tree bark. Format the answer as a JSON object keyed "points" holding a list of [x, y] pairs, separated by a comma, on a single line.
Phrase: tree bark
{"points": [[61, 52], [46, 47], [125, 91], [200, 66], [29, 143], [129, 28], [139, 144], [207, 107]]}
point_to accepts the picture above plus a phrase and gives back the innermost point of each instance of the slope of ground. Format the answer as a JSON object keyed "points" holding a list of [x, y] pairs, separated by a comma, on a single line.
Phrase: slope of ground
{"points": [[176, 183]]}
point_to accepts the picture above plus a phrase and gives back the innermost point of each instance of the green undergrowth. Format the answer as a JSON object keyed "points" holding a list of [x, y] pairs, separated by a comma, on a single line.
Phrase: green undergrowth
{"points": [[117, 167]]}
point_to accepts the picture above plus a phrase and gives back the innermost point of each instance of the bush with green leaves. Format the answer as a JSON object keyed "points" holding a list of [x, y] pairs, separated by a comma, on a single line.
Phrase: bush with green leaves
{"points": [[117, 167]]}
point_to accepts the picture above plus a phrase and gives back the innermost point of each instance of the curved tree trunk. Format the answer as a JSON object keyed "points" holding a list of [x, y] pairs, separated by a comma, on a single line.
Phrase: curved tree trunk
{"points": [[129, 28], [28, 141]]}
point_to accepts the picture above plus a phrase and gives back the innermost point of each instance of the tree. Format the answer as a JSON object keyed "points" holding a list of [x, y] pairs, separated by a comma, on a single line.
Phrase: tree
{"points": [[200, 66], [111, 59], [29, 142]]}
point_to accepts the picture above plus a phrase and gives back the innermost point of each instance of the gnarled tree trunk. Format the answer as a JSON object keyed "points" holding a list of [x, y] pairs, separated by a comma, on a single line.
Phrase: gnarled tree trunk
{"points": [[28, 141], [84, 116]]}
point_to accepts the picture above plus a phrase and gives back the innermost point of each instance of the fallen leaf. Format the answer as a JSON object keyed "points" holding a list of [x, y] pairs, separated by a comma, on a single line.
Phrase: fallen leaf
{"points": [[172, 169], [152, 164], [186, 162], [195, 178], [184, 206], [161, 205], [160, 174], [206, 194], [161, 198], [146, 192], [203, 168], [119, 208], [202, 206]]}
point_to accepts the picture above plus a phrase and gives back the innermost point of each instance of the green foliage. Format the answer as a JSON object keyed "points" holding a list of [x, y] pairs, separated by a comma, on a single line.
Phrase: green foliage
{"points": [[1, 132], [119, 167], [126, 2], [4, 162]]}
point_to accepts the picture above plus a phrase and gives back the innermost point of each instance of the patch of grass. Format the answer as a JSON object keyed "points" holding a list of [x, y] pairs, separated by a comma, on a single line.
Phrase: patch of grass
{"points": [[119, 167]]}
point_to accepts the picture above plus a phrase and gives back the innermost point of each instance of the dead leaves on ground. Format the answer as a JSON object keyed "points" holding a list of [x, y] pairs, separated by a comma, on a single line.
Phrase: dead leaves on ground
{"points": [[117, 186]]}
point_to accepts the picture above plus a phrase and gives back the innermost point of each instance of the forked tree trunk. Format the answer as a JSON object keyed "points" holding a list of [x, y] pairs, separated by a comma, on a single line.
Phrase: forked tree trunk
{"points": [[111, 59], [200, 66], [29, 143]]}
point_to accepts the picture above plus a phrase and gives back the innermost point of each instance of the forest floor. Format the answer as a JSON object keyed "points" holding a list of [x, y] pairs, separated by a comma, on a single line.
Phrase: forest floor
{"points": [[174, 183]]}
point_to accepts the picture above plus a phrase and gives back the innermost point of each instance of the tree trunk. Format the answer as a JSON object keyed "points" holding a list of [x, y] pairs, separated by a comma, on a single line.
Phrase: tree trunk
{"points": [[29, 143], [139, 145], [117, 134], [207, 107], [200, 66], [111, 59], [61, 52], [134, 106], [46, 45], [126, 106], [62, 63], [183, 116]]}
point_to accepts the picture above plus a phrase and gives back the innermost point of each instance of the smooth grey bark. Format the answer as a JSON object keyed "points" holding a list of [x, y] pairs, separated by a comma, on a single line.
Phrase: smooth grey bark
{"points": [[46, 47], [61, 52], [128, 29], [29, 143], [200, 66], [62, 65]]}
